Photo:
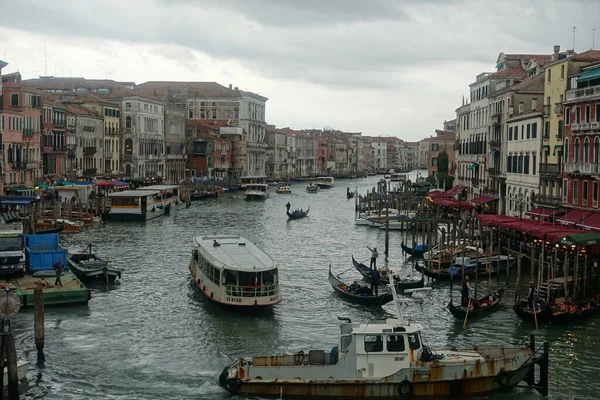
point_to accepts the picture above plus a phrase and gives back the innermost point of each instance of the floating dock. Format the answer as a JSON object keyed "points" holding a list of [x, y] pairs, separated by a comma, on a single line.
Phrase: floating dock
{"points": [[71, 292]]}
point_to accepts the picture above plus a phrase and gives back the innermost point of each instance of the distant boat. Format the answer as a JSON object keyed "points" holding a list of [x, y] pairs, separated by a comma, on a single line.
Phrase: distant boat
{"points": [[361, 296], [313, 189], [257, 191], [203, 195]]}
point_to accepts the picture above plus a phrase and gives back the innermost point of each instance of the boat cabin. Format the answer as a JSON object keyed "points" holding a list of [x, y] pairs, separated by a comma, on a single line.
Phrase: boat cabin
{"points": [[246, 180], [232, 270], [139, 204], [325, 181], [257, 190], [167, 192]]}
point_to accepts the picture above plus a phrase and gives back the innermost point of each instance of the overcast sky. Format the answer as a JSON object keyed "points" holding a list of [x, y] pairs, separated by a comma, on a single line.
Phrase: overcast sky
{"points": [[381, 67]]}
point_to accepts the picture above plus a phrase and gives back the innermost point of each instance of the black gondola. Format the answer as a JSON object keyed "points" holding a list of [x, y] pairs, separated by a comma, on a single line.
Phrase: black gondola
{"points": [[203, 195], [558, 313], [417, 251], [497, 266], [481, 307], [349, 194], [368, 299], [297, 214], [57, 229], [409, 283], [366, 272]]}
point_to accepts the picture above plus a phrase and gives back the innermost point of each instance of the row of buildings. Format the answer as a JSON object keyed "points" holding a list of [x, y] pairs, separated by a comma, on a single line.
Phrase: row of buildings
{"points": [[55, 127], [528, 134]]}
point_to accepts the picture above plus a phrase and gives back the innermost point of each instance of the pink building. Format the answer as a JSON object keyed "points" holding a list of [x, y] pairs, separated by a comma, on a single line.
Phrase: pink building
{"points": [[2, 65], [21, 111]]}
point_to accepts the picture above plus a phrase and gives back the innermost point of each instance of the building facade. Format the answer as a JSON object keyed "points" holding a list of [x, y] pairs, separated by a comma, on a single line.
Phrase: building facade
{"points": [[54, 138], [175, 145], [22, 112], [582, 143], [89, 141]]}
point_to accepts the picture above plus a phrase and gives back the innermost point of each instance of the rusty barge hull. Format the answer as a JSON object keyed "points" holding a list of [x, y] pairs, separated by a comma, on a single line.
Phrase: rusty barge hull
{"points": [[382, 389]]}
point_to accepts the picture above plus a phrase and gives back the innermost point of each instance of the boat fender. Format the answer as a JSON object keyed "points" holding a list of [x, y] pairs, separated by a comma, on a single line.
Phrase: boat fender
{"points": [[305, 363], [503, 378], [233, 384], [455, 387], [405, 388]]}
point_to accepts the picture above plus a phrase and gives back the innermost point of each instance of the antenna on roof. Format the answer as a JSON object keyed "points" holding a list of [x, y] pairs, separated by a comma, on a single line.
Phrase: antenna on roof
{"points": [[593, 37], [45, 58], [574, 33]]}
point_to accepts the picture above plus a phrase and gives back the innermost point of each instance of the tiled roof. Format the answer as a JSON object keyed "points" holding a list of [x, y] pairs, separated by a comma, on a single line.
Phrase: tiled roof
{"points": [[203, 89], [527, 57], [531, 113], [533, 84], [79, 110], [589, 56], [510, 72]]}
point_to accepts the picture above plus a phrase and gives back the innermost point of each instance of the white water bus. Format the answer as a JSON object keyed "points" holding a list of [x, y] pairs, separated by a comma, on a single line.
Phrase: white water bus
{"points": [[145, 203], [257, 191], [257, 179], [232, 271], [325, 182]]}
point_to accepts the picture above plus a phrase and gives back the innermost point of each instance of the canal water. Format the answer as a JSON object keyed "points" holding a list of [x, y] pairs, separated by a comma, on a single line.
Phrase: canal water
{"points": [[154, 337]]}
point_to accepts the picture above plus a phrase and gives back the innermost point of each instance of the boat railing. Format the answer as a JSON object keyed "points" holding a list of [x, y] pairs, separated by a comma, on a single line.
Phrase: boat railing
{"points": [[252, 291]]}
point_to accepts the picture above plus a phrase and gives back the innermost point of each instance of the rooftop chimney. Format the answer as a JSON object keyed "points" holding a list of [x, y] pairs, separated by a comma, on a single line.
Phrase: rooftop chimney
{"points": [[236, 88], [556, 51], [230, 86]]}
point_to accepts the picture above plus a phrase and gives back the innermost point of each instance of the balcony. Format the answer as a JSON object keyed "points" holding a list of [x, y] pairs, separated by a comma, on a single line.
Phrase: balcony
{"points": [[558, 108], [129, 130], [547, 200], [550, 169], [55, 149], [495, 144], [91, 150], [582, 168], [493, 171], [547, 109], [128, 157], [575, 127], [108, 154], [496, 119], [32, 165], [19, 165], [71, 153], [585, 126], [589, 93]]}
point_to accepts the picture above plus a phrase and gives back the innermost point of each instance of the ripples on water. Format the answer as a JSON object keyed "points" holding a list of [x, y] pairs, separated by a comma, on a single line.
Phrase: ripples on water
{"points": [[154, 337]]}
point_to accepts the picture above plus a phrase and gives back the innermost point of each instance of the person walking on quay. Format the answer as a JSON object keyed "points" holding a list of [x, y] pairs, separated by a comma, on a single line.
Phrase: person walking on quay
{"points": [[374, 255], [465, 292], [58, 268]]}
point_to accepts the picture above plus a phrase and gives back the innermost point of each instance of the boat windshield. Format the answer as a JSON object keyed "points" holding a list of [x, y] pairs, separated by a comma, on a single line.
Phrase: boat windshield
{"points": [[11, 243]]}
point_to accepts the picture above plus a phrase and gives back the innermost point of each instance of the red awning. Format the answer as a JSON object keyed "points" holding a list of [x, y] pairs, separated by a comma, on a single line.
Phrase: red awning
{"points": [[573, 217], [105, 183], [590, 222], [543, 212], [454, 203], [455, 189], [483, 199], [438, 194]]}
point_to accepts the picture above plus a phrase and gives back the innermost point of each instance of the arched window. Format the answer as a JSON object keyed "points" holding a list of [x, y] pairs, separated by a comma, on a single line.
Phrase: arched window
{"points": [[586, 150], [566, 148], [576, 151], [596, 150], [128, 122], [128, 170]]}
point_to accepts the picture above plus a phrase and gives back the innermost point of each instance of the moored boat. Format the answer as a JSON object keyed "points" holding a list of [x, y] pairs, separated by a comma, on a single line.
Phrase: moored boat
{"points": [[66, 224], [88, 267], [257, 191], [416, 251], [478, 308], [203, 195], [232, 271], [142, 204], [464, 266], [561, 312], [359, 294], [387, 359], [59, 228], [366, 272]]}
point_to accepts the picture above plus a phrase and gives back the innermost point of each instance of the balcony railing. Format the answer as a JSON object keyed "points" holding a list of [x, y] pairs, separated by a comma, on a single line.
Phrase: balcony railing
{"points": [[32, 165], [493, 171], [550, 169], [547, 200], [589, 92], [582, 168], [494, 144], [128, 157], [89, 150], [55, 149], [19, 165], [575, 127], [108, 154], [547, 109]]}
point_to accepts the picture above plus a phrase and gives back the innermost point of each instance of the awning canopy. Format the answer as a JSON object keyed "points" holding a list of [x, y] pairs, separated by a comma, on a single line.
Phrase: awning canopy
{"points": [[544, 212], [589, 75], [453, 203], [572, 217], [581, 239], [590, 221], [471, 167], [452, 191], [539, 229], [483, 200], [20, 188]]}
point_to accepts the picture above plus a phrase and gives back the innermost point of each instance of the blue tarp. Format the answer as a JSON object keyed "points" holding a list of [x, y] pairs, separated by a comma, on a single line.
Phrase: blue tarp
{"points": [[84, 183], [16, 202]]}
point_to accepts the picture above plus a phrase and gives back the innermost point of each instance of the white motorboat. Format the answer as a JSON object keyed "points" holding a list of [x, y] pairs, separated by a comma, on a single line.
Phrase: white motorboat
{"points": [[325, 182], [257, 191], [387, 359], [233, 271]]}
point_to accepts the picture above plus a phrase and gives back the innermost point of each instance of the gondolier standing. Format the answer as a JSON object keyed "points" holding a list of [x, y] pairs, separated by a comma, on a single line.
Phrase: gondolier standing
{"points": [[530, 295], [374, 255], [466, 290], [288, 205]]}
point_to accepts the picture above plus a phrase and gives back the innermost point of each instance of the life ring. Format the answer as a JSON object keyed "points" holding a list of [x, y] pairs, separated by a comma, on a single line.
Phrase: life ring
{"points": [[405, 388], [233, 384], [503, 378], [455, 387]]}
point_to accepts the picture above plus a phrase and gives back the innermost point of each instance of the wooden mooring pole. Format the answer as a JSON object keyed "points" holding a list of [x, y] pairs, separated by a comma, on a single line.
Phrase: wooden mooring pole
{"points": [[38, 321]]}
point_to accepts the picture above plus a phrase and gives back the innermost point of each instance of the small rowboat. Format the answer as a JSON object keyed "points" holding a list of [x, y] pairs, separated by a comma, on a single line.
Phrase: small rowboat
{"points": [[343, 290]]}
